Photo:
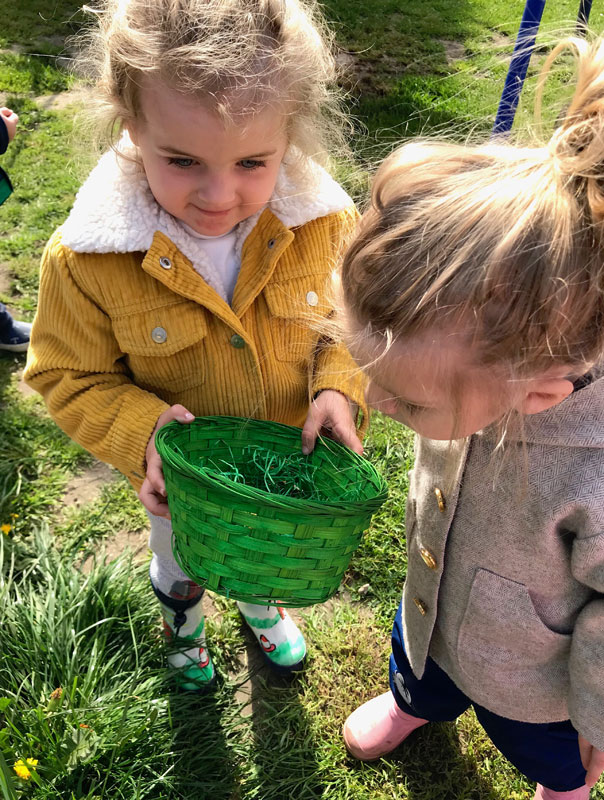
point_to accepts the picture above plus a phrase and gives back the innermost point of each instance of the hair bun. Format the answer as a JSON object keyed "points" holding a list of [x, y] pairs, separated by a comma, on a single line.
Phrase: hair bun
{"points": [[577, 144]]}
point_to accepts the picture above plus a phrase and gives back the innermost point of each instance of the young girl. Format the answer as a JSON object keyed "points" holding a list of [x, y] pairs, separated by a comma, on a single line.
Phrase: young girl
{"points": [[474, 299], [182, 282]]}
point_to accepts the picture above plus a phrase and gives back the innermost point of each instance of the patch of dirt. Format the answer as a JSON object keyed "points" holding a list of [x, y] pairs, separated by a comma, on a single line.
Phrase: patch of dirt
{"points": [[4, 279], [87, 487], [454, 51], [23, 388], [56, 102], [135, 541]]}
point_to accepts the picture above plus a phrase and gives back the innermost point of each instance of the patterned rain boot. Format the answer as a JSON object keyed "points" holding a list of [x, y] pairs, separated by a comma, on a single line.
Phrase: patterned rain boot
{"points": [[378, 727], [582, 793], [280, 639], [184, 629]]}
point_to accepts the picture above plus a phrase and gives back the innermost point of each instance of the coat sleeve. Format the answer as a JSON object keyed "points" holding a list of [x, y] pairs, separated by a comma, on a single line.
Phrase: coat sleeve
{"points": [[334, 367], [586, 695], [74, 361]]}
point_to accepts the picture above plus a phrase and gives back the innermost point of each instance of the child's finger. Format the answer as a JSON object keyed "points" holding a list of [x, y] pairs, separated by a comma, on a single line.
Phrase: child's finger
{"points": [[181, 414], [596, 765], [310, 431], [155, 474], [346, 433], [585, 749], [154, 503]]}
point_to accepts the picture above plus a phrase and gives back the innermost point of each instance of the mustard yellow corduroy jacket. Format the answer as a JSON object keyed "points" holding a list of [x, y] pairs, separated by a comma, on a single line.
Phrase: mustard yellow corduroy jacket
{"points": [[119, 337]]}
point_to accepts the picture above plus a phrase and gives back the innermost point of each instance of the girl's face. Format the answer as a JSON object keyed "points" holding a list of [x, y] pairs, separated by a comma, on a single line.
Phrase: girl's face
{"points": [[430, 385], [209, 174]]}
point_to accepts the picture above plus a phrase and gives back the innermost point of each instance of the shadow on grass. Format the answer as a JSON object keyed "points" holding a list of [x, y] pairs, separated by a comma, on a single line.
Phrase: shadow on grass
{"points": [[205, 764], [431, 764], [281, 761]]}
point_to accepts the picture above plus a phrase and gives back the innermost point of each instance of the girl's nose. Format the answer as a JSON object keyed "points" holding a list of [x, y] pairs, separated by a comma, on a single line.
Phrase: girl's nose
{"points": [[216, 192], [380, 400]]}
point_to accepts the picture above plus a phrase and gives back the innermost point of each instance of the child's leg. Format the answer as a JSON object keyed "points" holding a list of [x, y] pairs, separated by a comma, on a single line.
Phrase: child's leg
{"points": [[279, 637], [182, 610], [547, 753], [381, 724]]}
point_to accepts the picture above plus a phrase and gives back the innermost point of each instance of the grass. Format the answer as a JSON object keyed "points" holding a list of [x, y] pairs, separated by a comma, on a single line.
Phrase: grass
{"points": [[117, 729]]}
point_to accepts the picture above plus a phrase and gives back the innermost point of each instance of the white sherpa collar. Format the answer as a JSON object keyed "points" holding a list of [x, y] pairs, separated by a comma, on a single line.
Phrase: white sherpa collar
{"points": [[115, 212]]}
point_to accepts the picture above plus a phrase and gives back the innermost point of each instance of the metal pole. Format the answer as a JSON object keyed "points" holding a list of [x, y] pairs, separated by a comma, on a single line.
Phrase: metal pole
{"points": [[583, 16], [523, 49]]}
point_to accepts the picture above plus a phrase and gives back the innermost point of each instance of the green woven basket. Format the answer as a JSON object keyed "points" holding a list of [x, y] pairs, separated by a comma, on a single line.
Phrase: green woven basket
{"points": [[244, 526]]}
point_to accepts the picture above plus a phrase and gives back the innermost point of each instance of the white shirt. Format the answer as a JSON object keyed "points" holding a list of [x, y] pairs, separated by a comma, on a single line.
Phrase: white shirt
{"points": [[221, 252]]}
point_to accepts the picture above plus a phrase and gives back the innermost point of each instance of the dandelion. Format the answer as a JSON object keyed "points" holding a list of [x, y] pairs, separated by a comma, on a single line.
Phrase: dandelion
{"points": [[14, 516], [6, 528], [56, 694], [22, 768]]}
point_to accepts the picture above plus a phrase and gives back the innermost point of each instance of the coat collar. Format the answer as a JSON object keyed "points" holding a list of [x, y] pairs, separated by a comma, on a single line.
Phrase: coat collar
{"points": [[577, 421], [115, 212]]}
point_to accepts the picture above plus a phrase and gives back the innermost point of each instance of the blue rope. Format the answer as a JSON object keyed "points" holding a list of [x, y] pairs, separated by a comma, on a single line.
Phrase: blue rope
{"points": [[525, 41]]}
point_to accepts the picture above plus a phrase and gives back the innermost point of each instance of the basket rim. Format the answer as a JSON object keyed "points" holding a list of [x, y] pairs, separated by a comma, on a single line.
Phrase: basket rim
{"points": [[243, 491]]}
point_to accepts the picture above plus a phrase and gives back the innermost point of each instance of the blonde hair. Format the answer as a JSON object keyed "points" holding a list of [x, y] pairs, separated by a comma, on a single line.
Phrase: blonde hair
{"points": [[239, 55], [502, 241]]}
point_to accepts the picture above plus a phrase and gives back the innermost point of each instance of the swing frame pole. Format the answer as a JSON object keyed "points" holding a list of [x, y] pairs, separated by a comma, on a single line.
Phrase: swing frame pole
{"points": [[523, 49]]}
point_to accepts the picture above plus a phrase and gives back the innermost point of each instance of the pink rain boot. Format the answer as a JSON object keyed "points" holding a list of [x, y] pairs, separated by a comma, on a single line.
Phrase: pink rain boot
{"points": [[582, 793], [377, 727]]}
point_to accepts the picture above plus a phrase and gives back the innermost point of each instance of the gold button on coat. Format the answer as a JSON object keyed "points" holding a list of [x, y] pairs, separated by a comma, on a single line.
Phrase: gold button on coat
{"points": [[312, 298], [421, 606], [440, 499], [159, 335], [428, 557], [165, 263]]}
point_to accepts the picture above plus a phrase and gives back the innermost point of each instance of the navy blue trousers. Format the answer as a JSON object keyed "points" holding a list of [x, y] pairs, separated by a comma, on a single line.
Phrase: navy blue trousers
{"points": [[547, 753], [6, 321]]}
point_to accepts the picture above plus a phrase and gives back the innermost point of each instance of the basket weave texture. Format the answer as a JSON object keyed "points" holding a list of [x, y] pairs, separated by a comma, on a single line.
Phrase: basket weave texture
{"points": [[256, 545]]}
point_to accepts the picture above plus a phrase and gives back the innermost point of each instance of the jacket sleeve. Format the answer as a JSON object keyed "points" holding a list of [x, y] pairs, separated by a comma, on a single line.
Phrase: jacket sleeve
{"points": [[586, 695], [334, 367], [75, 363]]}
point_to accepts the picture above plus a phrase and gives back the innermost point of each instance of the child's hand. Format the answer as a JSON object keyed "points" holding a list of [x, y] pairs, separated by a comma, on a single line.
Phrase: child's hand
{"points": [[330, 414], [593, 761], [10, 120], [152, 493]]}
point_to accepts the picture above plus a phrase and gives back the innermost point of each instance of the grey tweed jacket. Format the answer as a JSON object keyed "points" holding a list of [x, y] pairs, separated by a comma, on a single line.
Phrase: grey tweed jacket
{"points": [[505, 583]]}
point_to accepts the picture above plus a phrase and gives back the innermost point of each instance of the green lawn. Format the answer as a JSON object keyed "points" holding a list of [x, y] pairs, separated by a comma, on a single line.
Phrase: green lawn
{"points": [[83, 687]]}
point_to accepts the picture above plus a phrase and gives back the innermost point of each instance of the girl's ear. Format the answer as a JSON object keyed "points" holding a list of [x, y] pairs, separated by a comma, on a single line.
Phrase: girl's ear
{"points": [[544, 393], [132, 129]]}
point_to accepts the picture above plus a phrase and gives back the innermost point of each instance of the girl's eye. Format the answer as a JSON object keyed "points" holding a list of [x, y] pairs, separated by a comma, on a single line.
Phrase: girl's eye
{"points": [[250, 164], [183, 163]]}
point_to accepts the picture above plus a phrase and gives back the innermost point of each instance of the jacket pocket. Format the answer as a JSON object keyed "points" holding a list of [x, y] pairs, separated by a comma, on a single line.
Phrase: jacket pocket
{"points": [[296, 308], [163, 347], [502, 635]]}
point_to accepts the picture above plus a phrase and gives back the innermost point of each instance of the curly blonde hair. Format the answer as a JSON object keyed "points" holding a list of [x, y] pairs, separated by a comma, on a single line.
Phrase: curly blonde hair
{"points": [[504, 241], [238, 55]]}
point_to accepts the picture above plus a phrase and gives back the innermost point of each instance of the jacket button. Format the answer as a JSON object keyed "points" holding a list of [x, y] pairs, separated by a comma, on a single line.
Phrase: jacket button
{"points": [[159, 335], [238, 342], [271, 243], [421, 606], [312, 298], [427, 557], [440, 500], [165, 263]]}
